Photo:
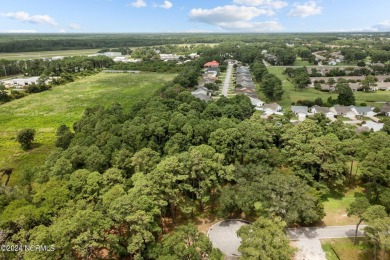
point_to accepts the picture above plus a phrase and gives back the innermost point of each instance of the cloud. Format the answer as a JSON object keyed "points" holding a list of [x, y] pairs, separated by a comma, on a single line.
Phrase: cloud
{"points": [[74, 26], [138, 3], [62, 31], [166, 5], [34, 19], [227, 13], [382, 26], [235, 18], [243, 26], [306, 9], [275, 4], [20, 31]]}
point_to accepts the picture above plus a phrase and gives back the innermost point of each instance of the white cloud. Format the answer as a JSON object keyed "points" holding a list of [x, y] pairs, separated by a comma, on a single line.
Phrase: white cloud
{"points": [[236, 18], [62, 31], [382, 26], [26, 17], [276, 4], [244, 26], [306, 9], [138, 3], [227, 13], [74, 26], [20, 31], [166, 5]]}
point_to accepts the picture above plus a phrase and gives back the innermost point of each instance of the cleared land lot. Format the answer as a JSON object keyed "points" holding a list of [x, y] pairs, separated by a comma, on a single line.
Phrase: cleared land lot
{"points": [[46, 54], [291, 95], [47, 110]]}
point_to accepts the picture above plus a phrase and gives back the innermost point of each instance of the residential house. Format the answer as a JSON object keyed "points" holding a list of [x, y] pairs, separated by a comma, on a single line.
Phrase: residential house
{"points": [[386, 109], [257, 103], [354, 86], [324, 110], [342, 111], [20, 82], [363, 111], [169, 57], [212, 64], [272, 108], [300, 110], [327, 88], [194, 55], [383, 86], [202, 93], [271, 58], [373, 126], [112, 54]]}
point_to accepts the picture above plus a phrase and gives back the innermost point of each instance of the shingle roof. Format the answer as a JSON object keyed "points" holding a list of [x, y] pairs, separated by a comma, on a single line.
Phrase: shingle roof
{"points": [[386, 108], [321, 109], [363, 110], [300, 109], [272, 106], [342, 109]]}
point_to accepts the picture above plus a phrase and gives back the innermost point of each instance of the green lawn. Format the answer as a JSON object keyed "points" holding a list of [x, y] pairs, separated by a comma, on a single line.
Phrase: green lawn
{"points": [[300, 62], [45, 111], [46, 54], [291, 95], [335, 205], [344, 249]]}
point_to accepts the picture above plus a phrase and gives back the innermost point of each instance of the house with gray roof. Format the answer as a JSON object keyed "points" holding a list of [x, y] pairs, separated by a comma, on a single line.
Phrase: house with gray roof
{"points": [[202, 93], [342, 111], [300, 110], [271, 108], [256, 102], [373, 126], [363, 111], [323, 110], [386, 109]]}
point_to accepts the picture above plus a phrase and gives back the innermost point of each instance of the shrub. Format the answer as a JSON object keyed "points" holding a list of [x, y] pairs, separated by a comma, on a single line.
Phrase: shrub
{"points": [[25, 137]]}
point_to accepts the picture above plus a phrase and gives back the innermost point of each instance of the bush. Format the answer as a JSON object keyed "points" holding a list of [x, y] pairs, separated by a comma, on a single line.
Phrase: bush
{"points": [[25, 137]]}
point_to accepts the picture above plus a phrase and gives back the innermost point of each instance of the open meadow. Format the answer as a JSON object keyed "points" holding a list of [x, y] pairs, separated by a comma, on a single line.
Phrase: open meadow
{"points": [[65, 104], [291, 95], [46, 54]]}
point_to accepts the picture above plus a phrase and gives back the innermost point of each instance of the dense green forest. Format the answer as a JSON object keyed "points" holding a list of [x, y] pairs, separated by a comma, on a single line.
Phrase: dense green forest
{"points": [[118, 178], [47, 42], [120, 181]]}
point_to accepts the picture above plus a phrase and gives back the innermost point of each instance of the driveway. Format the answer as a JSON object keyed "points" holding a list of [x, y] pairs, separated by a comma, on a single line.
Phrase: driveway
{"points": [[223, 235], [227, 80], [308, 239]]}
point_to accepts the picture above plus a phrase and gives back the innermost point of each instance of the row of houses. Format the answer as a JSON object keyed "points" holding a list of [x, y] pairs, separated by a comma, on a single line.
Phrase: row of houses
{"points": [[345, 111], [331, 112], [19, 83], [246, 86], [384, 86]]}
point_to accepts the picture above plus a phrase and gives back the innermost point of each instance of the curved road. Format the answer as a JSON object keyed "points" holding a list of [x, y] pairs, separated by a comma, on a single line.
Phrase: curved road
{"points": [[227, 80], [309, 245]]}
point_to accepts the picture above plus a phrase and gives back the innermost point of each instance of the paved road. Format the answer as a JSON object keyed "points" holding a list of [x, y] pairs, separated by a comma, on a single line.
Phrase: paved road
{"points": [[227, 80], [323, 232], [223, 235], [309, 245]]}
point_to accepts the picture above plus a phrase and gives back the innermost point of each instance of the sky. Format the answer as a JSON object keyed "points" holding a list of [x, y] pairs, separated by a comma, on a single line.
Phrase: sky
{"points": [[213, 16]]}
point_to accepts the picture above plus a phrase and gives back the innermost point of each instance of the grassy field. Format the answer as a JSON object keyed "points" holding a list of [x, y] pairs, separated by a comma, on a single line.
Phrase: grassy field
{"points": [[291, 95], [335, 206], [46, 54], [344, 249], [47, 110], [300, 62]]}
